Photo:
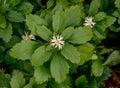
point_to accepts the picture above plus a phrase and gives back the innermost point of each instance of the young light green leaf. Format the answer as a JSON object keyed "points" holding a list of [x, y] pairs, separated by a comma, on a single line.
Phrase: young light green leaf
{"points": [[32, 21], [97, 67], [6, 33], [76, 1], [67, 33], [59, 68], [59, 21], [2, 21], [40, 56], [94, 5], [18, 80], [81, 35], [73, 15], [100, 16], [70, 53], [24, 49], [81, 82], [50, 3], [113, 59], [25, 8], [41, 75], [86, 52], [44, 32], [15, 16]]}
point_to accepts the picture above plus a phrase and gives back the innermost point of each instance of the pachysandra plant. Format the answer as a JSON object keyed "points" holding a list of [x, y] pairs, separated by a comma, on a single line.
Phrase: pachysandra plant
{"points": [[59, 45]]}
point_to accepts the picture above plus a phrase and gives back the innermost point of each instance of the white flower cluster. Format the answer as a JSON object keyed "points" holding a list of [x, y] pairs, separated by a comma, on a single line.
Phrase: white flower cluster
{"points": [[88, 22], [28, 36], [57, 41]]}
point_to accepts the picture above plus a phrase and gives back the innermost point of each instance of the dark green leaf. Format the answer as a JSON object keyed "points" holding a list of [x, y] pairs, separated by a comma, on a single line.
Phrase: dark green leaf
{"points": [[97, 68], [94, 5], [15, 16], [59, 68], [100, 16], [14, 2], [18, 80], [73, 15], [41, 75], [67, 33], [44, 32], [81, 35], [113, 59], [25, 8], [81, 82], [6, 33], [70, 53], [24, 49], [59, 21], [32, 21], [2, 21], [40, 56]]}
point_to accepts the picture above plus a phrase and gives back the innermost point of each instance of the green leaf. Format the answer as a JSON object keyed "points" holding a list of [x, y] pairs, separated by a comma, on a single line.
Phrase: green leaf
{"points": [[73, 15], [81, 35], [97, 68], [41, 75], [2, 21], [70, 53], [15, 16], [59, 68], [76, 1], [59, 21], [32, 21], [113, 59], [17, 80], [25, 8], [50, 3], [100, 16], [6, 33], [31, 83], [24, 49], [108, 21], [99, 31], [94, 5], [67, 33], [117, 3], [4, 80], [86, 52], [40, 56], [44, 32], [81, 82], [14, 2]]}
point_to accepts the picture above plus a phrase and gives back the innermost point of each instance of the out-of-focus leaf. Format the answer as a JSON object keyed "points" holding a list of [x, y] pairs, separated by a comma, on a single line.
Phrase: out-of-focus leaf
{"points": [[15, 16], [14, 2], [25, 8], [18, 80], [94, 5], [113, 59], [2, 21], [81, 82], [6, 33]]}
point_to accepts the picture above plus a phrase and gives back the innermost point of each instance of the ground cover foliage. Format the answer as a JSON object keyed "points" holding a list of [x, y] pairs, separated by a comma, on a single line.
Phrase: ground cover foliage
{"points": [[59, 43]]}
